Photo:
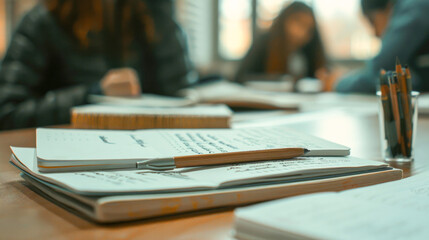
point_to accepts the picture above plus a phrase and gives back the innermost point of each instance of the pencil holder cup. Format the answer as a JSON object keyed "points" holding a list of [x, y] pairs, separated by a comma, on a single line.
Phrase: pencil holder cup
{"points": [[398, 124]]}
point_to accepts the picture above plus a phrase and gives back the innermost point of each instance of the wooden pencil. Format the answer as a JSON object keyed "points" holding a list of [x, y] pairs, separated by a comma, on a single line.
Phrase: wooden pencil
{"points": [[396, 112], [238, 157], [405, 106]]}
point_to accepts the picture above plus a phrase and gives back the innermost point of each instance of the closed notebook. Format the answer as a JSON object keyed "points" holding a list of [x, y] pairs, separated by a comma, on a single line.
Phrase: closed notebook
{"points": [[128, 118], [71, 149]]}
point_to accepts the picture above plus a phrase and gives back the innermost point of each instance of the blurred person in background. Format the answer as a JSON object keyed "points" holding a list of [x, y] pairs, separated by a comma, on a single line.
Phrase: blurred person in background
{"points": [[403, 27], [64, 50], [292, 46]]}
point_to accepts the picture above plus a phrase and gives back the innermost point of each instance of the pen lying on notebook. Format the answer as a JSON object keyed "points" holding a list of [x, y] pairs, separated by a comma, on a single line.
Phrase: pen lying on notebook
{"points": [[220, 158]]}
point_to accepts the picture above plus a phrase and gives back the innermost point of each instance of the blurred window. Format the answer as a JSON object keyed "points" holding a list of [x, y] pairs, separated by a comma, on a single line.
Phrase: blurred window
{"points": [[235, 28], [345, 32]]}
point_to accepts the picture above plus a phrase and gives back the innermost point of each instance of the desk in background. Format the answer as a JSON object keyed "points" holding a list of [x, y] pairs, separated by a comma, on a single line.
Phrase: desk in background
{"points": [[26, 215]]}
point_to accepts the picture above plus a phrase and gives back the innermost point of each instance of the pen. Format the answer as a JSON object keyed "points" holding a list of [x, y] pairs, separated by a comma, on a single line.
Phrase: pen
{"points": [[220, 158]]}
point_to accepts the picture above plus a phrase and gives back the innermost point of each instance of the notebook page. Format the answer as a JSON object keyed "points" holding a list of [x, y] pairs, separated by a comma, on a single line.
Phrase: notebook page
{"points": [[205, 141], [409, 193], [185, 178], [398, 212], [269, 169], [197, 110], [66, 144], [146, 100], [72, 144]]}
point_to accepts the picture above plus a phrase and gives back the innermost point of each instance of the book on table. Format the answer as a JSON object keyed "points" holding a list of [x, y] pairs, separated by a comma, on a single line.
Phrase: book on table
{"points": [[113, 196], [73, 150], [219, 92], [394, 210], [238, 96], [129, 118]]}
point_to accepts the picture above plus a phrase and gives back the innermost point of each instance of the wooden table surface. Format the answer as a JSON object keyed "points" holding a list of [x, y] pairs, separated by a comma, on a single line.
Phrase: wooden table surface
{"points": [[26, 215]]}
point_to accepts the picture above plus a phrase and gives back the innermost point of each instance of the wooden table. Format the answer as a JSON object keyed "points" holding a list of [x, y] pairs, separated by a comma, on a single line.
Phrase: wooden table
{"points": [[27, 215]]}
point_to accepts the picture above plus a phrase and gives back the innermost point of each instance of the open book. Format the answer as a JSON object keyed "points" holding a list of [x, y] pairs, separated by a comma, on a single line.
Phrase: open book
{"points": [[71, 150], [219, 92], [239, 96], [395, 210], [109, 196], [129, 118]]}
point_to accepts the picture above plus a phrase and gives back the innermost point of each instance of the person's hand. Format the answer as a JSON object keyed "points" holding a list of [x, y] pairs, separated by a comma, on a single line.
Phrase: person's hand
{"points": [[328, 79], [122, 82]]}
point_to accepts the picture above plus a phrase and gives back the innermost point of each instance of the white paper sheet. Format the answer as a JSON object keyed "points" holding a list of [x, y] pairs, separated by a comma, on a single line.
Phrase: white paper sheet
{"points": [[146, 100], [395, 210], [197, 110]]}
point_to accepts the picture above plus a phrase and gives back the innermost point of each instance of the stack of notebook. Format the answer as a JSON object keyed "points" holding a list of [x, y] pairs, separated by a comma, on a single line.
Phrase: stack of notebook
{"points": [[112, 176]]}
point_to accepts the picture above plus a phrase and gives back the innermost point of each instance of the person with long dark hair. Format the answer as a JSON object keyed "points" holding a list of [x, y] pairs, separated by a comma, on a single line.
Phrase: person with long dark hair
{"points": [[64, 50], [291, 46], [403, 27]]}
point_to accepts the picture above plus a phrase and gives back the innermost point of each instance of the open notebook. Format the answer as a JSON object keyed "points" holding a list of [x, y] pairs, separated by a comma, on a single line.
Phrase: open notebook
{"points": [[110, 196], [239, 96], [72, 150]]}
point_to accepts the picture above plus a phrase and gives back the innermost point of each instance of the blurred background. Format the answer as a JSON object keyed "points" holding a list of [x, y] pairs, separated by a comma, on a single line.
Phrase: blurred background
{"points": [[221, 31]]}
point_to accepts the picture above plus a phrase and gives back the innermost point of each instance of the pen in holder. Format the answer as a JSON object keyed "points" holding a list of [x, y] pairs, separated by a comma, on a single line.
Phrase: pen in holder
{"points": [[397, 115]]}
